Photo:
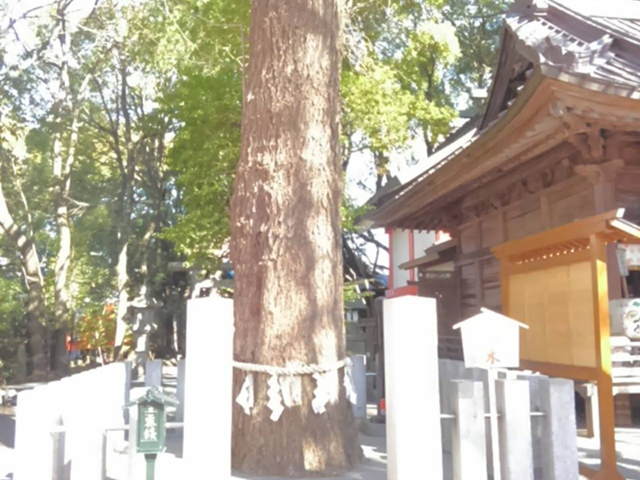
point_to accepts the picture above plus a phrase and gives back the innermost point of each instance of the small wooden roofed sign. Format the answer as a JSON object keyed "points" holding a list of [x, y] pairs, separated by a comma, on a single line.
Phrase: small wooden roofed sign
{"points": [[491, 340], [556, 283]]}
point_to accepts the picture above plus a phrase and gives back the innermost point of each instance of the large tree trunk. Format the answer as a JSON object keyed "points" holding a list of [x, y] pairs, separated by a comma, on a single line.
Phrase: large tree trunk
{"points": [[286, 236], [35, 285]]}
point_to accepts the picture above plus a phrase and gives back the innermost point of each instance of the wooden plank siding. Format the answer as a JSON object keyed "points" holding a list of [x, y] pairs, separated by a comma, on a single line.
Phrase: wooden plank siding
{"points": [[627, 192], [479, 271]]}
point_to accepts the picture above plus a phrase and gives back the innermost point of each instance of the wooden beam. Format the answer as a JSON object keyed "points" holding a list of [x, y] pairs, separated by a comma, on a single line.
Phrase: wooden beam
{"points": [[572, 372], [602, 322], [579, 229], [555, 261]]}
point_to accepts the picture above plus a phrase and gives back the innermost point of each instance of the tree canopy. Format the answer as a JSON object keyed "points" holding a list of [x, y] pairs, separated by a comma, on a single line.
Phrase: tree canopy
{"points": [[120, 129]]}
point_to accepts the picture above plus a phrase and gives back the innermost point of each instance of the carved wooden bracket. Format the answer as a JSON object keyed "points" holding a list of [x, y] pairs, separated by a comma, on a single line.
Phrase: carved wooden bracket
{"points": [[603, 172], [590, 144]]}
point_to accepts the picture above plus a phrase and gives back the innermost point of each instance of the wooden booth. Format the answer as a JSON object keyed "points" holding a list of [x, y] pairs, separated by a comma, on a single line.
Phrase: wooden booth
{"points": [[556, 283]]}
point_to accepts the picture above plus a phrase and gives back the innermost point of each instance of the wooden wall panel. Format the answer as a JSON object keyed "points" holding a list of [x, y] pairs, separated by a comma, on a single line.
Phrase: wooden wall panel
{"points": [[515, 228], [627, 184], [469, 241], [581, 314], [491, 231], [491, 283], [535, 301], [568, 209], [558, 315], [557, 304], [526, 224], [468, 290]]}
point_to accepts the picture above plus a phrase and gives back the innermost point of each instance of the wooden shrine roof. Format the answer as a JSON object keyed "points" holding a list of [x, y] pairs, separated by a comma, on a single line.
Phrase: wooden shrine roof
{"points": [[569, 238], [563, 65]]}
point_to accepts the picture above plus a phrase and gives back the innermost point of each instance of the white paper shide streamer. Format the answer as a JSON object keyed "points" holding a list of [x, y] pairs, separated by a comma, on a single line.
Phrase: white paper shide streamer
{"points": [[291, 388], [246, 397], [275, 398], [349, 383], [285, 386]]}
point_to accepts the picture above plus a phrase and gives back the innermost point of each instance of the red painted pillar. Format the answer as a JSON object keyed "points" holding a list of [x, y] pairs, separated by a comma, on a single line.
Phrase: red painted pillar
{"points": [[412, 255], [390, 234]]}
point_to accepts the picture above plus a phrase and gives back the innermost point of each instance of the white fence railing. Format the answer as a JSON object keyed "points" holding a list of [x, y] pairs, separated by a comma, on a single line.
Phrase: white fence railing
{"points": [[60, 426], [536, 415]]}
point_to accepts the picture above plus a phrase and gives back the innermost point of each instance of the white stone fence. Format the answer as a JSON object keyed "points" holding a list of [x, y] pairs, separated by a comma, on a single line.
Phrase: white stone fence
{"points": [[60, 426], [437, 405], [437, 426]]}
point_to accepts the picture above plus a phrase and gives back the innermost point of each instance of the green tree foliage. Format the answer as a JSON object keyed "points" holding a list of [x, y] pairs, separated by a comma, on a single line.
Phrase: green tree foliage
{"points": [[206, 102], [152, 116], [12, 325], [477, 24]]}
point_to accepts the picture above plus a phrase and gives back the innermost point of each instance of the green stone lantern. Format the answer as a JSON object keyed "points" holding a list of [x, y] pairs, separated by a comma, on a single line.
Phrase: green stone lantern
{"points": [[151, 425]]}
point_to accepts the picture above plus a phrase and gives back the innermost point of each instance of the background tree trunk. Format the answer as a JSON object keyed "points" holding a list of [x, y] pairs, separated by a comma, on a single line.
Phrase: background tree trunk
{"points": [[35, 285], [62, 186], [127, 166], [286, 236]]}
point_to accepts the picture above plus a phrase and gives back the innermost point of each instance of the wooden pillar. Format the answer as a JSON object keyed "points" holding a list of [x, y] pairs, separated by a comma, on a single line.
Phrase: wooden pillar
{"points": [[590, 394], [390, 278], [608, 466]]}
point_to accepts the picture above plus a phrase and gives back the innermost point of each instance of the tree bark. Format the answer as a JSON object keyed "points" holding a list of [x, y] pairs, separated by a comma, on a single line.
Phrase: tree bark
{"points": [[286, 236], [35, 285], [127, 165], [62, 184]]}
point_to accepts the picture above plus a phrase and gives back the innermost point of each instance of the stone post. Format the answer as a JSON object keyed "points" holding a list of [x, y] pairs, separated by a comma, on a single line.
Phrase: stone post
{"points": [[360, 380], [180, 390], [514, 408], [36, 415], [559, 445], [209, 383], [153, 374], [84, 424], [136, 463], [411, 372], [469, 448]]}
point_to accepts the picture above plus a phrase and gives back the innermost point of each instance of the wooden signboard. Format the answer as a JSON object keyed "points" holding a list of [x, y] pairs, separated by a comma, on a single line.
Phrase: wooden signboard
{"points": [[490, 340], [555, 282]]}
